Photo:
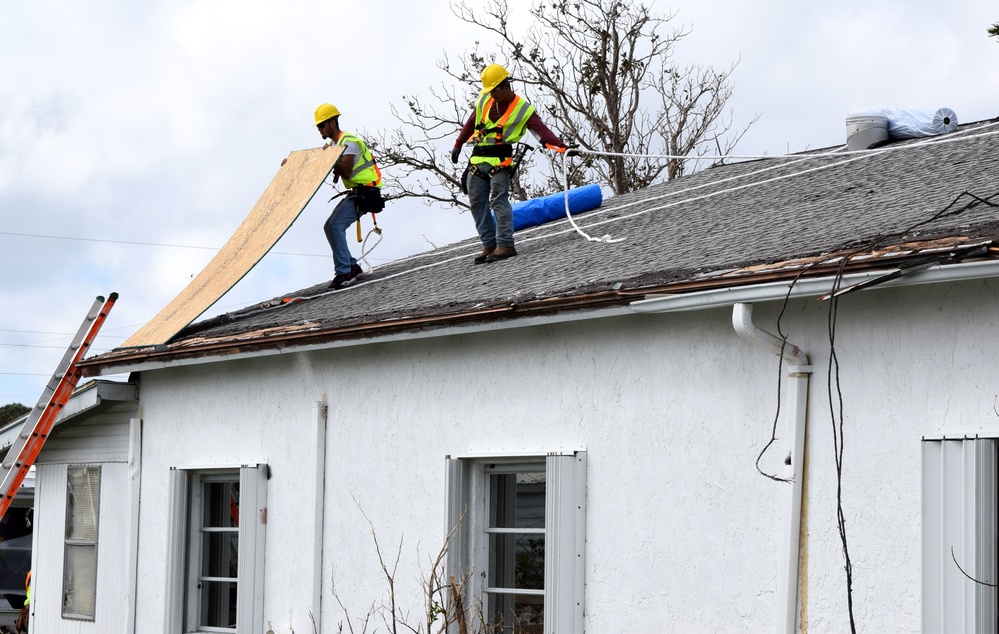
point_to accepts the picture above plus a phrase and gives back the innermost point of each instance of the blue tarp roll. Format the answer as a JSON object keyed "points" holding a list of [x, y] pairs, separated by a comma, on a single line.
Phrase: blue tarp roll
{"points": [[552, 207]]}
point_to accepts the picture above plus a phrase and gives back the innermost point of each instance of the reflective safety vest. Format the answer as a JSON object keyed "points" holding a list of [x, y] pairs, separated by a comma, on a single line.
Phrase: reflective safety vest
{"points": [[506, 130], [365, 170]]}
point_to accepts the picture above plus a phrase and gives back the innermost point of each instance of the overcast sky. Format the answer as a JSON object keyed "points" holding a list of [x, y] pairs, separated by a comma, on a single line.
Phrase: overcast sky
{"points": [[157, 122]]}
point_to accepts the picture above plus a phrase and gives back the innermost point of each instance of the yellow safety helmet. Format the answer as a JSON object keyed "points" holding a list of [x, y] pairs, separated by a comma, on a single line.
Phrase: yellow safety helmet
{"points": [[325, 112], [492, 76]]}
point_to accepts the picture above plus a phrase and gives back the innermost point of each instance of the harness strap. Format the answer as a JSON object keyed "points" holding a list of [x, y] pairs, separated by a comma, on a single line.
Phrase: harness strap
{"points": [[503, 150]]}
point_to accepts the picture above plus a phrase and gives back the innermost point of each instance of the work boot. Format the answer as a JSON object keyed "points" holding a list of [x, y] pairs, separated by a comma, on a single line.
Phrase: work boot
{"points": [[345, 279], [486, 252], [355, 272], [501, 253]]}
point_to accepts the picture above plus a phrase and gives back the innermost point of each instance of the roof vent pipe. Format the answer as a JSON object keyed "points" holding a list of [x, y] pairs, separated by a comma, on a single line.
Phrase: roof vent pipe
{"points": [[865, 130]]}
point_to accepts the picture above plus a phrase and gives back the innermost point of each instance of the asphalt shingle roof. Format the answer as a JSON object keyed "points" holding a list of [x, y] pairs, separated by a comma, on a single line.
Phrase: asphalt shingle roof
{"points": [[720, 218]]}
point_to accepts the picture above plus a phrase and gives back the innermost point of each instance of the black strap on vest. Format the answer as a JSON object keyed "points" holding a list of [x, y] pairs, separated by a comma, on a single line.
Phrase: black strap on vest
{"points": [[502, 151]]}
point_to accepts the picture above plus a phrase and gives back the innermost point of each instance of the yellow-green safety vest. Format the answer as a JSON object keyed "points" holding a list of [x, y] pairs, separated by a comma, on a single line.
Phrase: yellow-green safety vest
{"points": [[508, 129], [365, 170]]}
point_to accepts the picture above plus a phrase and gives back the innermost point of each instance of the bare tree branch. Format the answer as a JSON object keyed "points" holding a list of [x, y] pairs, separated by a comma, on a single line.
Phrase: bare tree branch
{"points": [[601, 73]]}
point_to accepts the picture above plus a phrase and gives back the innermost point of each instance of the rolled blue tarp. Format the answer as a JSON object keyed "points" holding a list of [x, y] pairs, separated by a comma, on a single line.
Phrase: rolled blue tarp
{"points": [[552, 207]]}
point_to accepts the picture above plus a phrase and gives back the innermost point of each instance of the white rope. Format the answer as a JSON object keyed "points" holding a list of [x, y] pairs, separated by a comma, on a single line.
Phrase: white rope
{"points": [[606, 238], [848, 155], [805, 154], [365, 251]]}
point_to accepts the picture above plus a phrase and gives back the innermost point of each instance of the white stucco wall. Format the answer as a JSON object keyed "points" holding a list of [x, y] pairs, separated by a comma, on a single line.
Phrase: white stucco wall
{"points": [[672, 409]]}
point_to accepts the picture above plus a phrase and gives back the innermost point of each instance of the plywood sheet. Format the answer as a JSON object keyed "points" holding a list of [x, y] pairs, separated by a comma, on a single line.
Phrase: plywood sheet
{"points": [[281, 203]]}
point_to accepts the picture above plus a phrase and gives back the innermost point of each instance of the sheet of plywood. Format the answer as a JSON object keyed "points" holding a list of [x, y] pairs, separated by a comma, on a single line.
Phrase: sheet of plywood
{"points": [[281, 203]]}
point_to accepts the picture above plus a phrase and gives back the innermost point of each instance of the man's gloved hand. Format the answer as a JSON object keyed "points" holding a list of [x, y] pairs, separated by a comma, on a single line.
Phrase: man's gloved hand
{"points": [[455, 154], [570, 149]]}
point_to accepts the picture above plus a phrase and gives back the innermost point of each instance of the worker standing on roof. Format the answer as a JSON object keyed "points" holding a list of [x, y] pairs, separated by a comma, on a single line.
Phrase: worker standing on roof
{"points": [[361, 177], [500, 119]]}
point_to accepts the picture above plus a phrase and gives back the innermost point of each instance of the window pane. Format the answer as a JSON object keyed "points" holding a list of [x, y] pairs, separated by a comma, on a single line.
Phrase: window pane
{"points": [[220, 554], [516, 614], [218, 604], [79, 580], [221, 504], [79, 596], [82, 503], [517, 500], [517, 561]]}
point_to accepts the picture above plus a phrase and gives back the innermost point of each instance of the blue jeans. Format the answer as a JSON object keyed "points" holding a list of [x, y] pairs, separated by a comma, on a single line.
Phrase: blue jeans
{"points": [[344, 215], [495, 193]]}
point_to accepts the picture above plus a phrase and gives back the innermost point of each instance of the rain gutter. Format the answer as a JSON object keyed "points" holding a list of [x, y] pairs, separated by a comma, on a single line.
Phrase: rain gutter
{"points": [[810, 287]]}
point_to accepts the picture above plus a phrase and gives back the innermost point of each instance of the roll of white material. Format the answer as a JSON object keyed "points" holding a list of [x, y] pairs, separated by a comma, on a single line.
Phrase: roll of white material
{"points": [[912, 122]]}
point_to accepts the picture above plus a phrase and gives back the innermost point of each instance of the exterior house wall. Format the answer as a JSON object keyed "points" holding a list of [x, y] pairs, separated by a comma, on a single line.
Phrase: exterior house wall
{"points": [[107, 437], [112, 612], [681, 530]]}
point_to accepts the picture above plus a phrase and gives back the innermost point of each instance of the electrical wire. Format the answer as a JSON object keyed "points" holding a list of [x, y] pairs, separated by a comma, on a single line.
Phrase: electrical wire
{"points": [[143, 244]]}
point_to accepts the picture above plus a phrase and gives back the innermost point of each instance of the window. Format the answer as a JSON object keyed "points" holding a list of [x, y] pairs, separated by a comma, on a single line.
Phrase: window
{"points": [[959, 519], [216, 556], [79, 571], [518, 540], [213, 565]]}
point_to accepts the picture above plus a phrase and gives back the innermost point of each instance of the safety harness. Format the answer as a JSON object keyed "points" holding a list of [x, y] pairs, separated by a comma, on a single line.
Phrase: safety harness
{"points": [[367, 196]]}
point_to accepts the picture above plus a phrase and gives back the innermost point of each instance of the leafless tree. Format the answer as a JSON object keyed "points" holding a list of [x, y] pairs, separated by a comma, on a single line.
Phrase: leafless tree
{"points": [[601, 73], [441, 594]]}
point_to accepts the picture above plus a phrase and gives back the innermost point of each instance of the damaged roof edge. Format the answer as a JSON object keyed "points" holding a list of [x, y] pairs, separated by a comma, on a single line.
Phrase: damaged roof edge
{"points": [[598, 308], [811, 287]]}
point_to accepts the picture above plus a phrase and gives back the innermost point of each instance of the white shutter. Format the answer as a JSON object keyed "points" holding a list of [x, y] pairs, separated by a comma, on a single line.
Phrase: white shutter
{"points": [[959, 523], [252, 525], [565, 541], [176, 555], [457, 523]]}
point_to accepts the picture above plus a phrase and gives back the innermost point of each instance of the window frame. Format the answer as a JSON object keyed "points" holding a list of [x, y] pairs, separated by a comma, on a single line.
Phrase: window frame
{"points": [[198, 534], [74, 543], [182, 596], [565, 523]]}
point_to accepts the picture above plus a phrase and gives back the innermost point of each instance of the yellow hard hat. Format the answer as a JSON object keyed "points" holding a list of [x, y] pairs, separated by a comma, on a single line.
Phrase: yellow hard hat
{"points": [[492, 76], [326, 111]]}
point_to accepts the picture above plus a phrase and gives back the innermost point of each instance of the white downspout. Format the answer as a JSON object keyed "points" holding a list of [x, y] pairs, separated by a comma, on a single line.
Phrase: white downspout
{"points": [[798, 375]]}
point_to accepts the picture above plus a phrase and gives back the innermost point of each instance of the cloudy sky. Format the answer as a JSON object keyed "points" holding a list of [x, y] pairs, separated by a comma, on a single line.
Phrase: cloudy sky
{"points": [[136, 136]]}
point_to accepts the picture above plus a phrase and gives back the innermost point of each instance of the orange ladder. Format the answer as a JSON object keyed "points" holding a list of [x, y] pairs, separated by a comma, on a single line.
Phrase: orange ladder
{"points": [[36, 428]]}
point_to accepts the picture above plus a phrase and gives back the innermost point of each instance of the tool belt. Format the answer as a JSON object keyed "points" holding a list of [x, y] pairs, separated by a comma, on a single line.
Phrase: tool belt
{"points": [[367, 198], [501, 151]]}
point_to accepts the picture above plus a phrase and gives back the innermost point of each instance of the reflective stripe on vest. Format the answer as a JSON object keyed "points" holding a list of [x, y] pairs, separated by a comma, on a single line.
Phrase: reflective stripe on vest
{"points": [[365, 171], [508, 129]]}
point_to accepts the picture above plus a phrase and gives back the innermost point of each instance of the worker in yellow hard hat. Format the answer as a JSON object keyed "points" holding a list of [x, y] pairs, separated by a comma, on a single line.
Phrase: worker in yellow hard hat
{"points": [[500, 119], [357, 170]]}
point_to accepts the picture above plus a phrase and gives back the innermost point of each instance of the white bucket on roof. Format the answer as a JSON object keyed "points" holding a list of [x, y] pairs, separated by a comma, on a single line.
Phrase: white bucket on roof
{"points": [[864, 130]]}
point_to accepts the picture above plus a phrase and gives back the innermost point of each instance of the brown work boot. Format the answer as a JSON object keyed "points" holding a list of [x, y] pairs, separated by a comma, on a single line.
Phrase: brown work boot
{"points": [[486, 252], [501, 253]]}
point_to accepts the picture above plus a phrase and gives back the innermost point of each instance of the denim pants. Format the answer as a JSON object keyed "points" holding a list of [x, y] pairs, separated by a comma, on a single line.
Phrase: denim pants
{"points": [[344, 215], [494, 193]]}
